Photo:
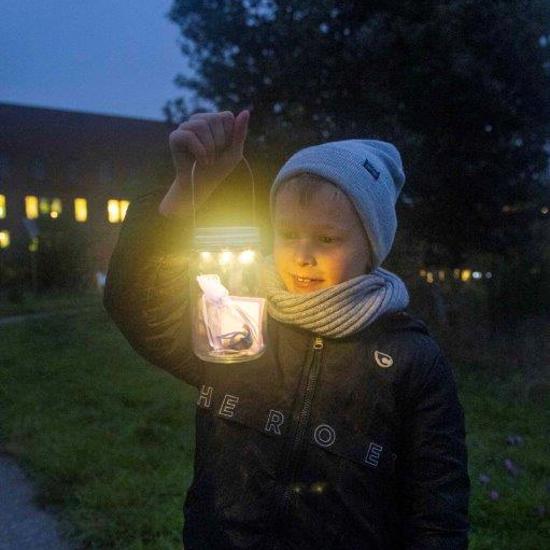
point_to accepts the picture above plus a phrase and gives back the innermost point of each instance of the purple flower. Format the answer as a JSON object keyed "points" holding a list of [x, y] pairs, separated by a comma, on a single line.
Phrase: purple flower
{"points": [[514, 440], [511, 467], [484, 479], [493, 495]]}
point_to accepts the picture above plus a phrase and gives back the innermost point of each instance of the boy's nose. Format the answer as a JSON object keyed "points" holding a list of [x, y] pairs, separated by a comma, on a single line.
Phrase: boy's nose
{"points": [[303, 255]]}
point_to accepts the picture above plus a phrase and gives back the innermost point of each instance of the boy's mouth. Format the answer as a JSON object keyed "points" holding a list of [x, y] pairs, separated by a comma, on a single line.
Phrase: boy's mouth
{"points": [[304, 282]]}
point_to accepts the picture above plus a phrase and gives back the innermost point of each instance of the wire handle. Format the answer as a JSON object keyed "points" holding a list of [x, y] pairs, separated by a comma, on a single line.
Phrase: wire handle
{"points": [[253, 190]]}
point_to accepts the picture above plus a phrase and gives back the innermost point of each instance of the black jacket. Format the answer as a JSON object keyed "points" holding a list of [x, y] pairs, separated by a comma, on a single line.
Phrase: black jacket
{"points": [[353, 443]]}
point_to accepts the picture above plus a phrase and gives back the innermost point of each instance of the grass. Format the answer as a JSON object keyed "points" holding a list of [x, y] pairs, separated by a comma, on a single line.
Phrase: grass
{"points": [[109, 439], [25, 302]]}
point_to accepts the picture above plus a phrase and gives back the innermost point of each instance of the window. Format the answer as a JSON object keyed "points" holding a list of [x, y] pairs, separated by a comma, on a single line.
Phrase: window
{"points": [[43, 206], [80, 210], [4, 239], [2, 207], [116, 210], [31, 207]]}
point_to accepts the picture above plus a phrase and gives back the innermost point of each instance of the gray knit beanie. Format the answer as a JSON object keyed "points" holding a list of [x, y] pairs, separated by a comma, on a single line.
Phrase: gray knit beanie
{"points": [[369, 172]]}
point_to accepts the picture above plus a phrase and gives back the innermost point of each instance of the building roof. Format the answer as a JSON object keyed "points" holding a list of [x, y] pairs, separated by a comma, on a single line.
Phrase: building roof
{"points": [[56, 130]]}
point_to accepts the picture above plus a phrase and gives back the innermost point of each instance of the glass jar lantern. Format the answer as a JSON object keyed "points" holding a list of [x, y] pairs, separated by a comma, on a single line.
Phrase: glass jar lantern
{"points": [[228, 308]]}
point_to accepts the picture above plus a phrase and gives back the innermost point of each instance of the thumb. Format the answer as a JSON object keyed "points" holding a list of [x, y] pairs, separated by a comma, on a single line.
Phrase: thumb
{"points": [[240, 129]]}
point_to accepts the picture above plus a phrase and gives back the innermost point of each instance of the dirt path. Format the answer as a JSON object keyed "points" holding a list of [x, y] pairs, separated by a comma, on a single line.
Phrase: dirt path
{"points": [[24, 526]]}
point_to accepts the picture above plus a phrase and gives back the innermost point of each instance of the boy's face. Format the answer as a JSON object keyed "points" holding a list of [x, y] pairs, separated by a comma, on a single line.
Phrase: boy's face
{"points": [[319, 244]]}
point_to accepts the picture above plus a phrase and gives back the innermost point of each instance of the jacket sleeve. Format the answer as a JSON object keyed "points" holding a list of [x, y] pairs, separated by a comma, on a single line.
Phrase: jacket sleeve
{"points": [[433, 470], [146, 291]]}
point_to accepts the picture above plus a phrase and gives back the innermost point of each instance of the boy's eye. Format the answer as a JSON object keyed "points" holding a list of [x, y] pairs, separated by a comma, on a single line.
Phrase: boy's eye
{"points": [[325, 239]]}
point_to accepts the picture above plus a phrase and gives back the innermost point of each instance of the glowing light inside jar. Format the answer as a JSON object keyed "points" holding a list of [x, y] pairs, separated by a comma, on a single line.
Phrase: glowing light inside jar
{"points": [[226, 257], [247, 256]]}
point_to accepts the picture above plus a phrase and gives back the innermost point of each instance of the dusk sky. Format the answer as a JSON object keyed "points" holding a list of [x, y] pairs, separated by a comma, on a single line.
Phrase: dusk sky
{"points": [[102, 56]]}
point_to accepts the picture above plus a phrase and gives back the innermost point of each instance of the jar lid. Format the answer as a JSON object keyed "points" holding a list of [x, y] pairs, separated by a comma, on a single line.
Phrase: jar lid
{"points": [[214, 237]]}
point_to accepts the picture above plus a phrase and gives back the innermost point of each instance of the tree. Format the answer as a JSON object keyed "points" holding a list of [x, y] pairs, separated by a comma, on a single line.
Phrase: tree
{"points": [[461, 87]]}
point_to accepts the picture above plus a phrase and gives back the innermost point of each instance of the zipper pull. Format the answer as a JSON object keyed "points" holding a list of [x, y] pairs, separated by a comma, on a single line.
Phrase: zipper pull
{"points": [[318, 344]]}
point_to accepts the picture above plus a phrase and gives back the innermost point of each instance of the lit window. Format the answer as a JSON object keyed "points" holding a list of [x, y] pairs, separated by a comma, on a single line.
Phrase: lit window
{"points": [[31, 207], [55, 208], [4, 239], [49, 207], [116, 210], [44, 206], [2, 206], [123, 208], [80, 210]]}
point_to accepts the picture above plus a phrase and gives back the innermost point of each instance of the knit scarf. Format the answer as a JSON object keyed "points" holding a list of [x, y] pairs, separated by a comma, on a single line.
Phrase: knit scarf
{"points": [[337, 311]]}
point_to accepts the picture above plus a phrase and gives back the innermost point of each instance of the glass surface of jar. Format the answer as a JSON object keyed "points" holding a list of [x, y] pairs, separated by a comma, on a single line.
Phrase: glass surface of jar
{"points": [[227, 302]]}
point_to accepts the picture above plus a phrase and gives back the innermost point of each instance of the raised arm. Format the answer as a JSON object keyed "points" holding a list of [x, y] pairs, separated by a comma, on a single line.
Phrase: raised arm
{"points": [[146, 292]]}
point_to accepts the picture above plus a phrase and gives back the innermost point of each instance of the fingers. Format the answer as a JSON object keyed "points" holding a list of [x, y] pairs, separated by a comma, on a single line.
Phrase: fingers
{"points": [[183, 142], [201, 129], [209, 136], [241, 129]]}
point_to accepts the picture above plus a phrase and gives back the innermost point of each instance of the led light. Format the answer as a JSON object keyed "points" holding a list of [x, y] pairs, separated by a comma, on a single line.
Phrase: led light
{"points": [[466, 274], [488, 275], [476, 275], [53, 214], [225, 257], [206, 256], [246, 256], [456, 273]]}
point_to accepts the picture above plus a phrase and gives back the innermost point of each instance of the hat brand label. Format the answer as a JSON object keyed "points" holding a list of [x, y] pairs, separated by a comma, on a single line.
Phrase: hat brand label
{"points": [[372, 170]]}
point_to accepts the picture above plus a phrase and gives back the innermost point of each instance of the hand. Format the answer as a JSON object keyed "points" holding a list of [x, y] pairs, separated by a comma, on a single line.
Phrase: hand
{"points": [[214, 140]]}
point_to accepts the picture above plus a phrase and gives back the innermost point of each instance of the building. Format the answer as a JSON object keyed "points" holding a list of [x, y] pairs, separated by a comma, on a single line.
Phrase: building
{"points": [[77, 170]]}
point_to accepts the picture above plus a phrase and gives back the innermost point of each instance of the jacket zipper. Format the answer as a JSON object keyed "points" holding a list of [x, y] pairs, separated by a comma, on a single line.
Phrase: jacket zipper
{"points": [[303, 419]]}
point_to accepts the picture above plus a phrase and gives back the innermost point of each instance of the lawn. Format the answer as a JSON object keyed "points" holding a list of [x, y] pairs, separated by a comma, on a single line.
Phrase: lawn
{"points": [[25, 302], [109, 439]]}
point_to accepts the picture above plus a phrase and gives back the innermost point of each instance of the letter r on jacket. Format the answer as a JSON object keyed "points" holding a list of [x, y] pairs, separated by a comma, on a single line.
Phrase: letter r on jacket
{"points": [[274, 421], [205, 396]]}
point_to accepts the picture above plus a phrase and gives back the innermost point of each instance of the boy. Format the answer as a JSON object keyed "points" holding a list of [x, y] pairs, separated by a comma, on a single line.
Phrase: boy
{"points": [[347, 433]]}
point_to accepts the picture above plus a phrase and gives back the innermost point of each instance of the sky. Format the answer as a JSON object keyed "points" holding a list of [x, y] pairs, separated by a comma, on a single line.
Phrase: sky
{"points": [[104, 56]]}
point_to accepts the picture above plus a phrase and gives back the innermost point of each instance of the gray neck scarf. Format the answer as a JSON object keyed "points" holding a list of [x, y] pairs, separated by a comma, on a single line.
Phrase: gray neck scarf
{"points": [[339, 310]]}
